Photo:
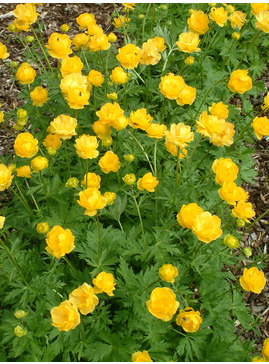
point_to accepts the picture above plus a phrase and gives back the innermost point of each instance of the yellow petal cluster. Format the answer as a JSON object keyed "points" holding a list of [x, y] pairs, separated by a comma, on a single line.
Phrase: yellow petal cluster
{"points": [[85, 20], [95, 78], [141, 356], [120, 21], [206, 227], [118, 76], [86, 146], [91, 180], [237, 19], [243, 210], [225, 169], [24, 171], [75, 89], [80, 40], [188, 42], [52, 141], [3, 51], [257, 7], [59, 241], [39, 96], [168, 273], [26, 146], [220, 110], [148, 182], [150, 54], [232, 193], [26, 13], [198, 22], [240, 81], [25, 74], [59, 45], [92, 200], [39, 163], [171, 86], [265, 349], [84, 299], [104, 282], [99, 42], [187, 214], [219, 15], [253, 280], [5, 177], [109, 162], [179, 135], [156, 131], [140, 119], [260, 126], [263, 21], [65, 316], [187, 96], [162, 303], [189, 319], [129, 56], [64, 126], [71, 65]]}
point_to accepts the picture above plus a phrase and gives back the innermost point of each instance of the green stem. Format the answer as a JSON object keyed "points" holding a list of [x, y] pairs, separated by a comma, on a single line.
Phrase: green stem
{"points": [[14, 262], [34, 200], [152, 19], [157, 281], [228, 224], [22, 201], [43, 182], [253, 40], [165, 63], [178, 332], [144, 23], [138, 75], [33, 54], [254, 222], [99, 239], [201, 160], [140, 218], [189, 265], [226, 58], [67, 160], [177, 165], [70, 265], [214, 206], [163, 107], [87, 169], [123, 25], [230, 290], [8, 68], [147, 92], [42, 49]]}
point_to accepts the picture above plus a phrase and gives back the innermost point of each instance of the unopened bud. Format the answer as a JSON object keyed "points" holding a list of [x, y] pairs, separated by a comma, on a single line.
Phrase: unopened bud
{"points": [[64, 28], [163, 7], [29, 39], [12, 27], [189, 61], [112, 96], [17, 127], [21, 113], [129, 179], [107, 141], [129, 157], [110, 84], [51, 151], [13, 64], [230, 9], [236, 35], [19, 332], [191, 11], [169, 23], [72, 182], [212, 5], [247, 251], [141, 16], [231, 241], [20, 314], [42, 227], [21, 122], [12, 167], [240, 223], [112, 37], [110, 196]]}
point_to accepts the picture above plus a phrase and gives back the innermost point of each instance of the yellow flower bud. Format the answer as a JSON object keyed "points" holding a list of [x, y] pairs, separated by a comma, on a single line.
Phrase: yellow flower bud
{"points": [[110, 196], [21, 122], [236, 35], [129, 158], [42, 227], [112, 37], [29, 39], [189, 61], [189, 319], [230, 9], [13, 64], [107, 141], [252, 280], [104, 282], [17, 127], [64, 28], [247, 251], [39, 163], [72, 182], [168, 273], [129, 179], [2, 221], [240, 223], [12, 167], [163, 7], [19, 331], [21, 113], [141, 356], [20, 314], [51, 151], [231, 241], [112, 96], [141, 16], [11, 27]]}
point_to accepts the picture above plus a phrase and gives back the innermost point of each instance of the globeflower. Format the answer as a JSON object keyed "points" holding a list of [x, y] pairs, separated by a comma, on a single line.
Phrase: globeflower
{"points": [[158, 42], [148, 182], [257, 7], [225, 169], [2, 221], [39, 96], [141, 356], [237, 19], [91, 180], [260, 126], [179, 134], [110, 197], [198, 22], [189, 319], [206, 227], [86, 19], [129, 56], [25, 74], [80, 40], [187, 214], [162, 303], [26, 13], [64, 126], [139, 119], [219, 15], [220, 110], [84, 299], [52, 141], [150, 54], [104, 282], [110, 113], [188, 42], [109, 162], [171, 86], [265, 349], [231, 193], [243, 210], [209, 125], [95, 78], [99, 42], [122, 20], [118, 76], [186, 96], [65, 316], [20, 26], [129, 179], [263, 21], [156, 130], [42, 227], [24, 171], [86, 146], [59, 241], [59, 45], [5, 177], [168, 273], [253, 280], [240, 81], [92, 200], [26, 146], [39, 163], [3, 51], [71, 65]]}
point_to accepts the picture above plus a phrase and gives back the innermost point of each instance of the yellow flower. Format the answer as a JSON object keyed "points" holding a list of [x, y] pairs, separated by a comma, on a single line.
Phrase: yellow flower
{"points": [[110, 113], [59, 45], [71, 65], [109, 162], [171, 86], [84, 20], [129, 179], [99, 42], [42, 228], [156, 130], [158, 42], [84, 299], [253, 280], [86, 146], [92, 200], [189, 319], [179, 134], [225, 169], [198, 22], [224, 137], [80, 40], [2, 221], [219, 15], [209, 125], [120, 123], [26, 13], [162, 303], [243, 210], [91, 180], [112, 37], [236, 36], [39, 96], [19, 314], [237, 19], [265, 349], [64, 126], [257, 7], [172, 149], [94, 29], [189, 61], [110, 197], [5, 177], [129, 56], [73, 81], [65, 316], [206, 227], [64, 28], [188, 42], [220, 110], [263, 21], [25, 74], [118, 76], [24, 171], [129, 158], [19, 331], [20, 26], [26, 146], [231, 241], [187, 214], [52, 141], [95, 78], [129, 5], [39, 163], [186, 96], [59, 241], [168, 273], [150, 54], [231, 193], [3, 51], [260, 126], [122, 20], [139, 119], [78, 97], [1, 116], [72, 182], [104, 282], [258, 359], [240, 81], [141, 356], [101, 129], [148, 182]]}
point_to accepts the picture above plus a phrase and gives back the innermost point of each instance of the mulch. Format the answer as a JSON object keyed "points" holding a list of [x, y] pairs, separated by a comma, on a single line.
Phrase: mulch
{"points": [[53, 16]]}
